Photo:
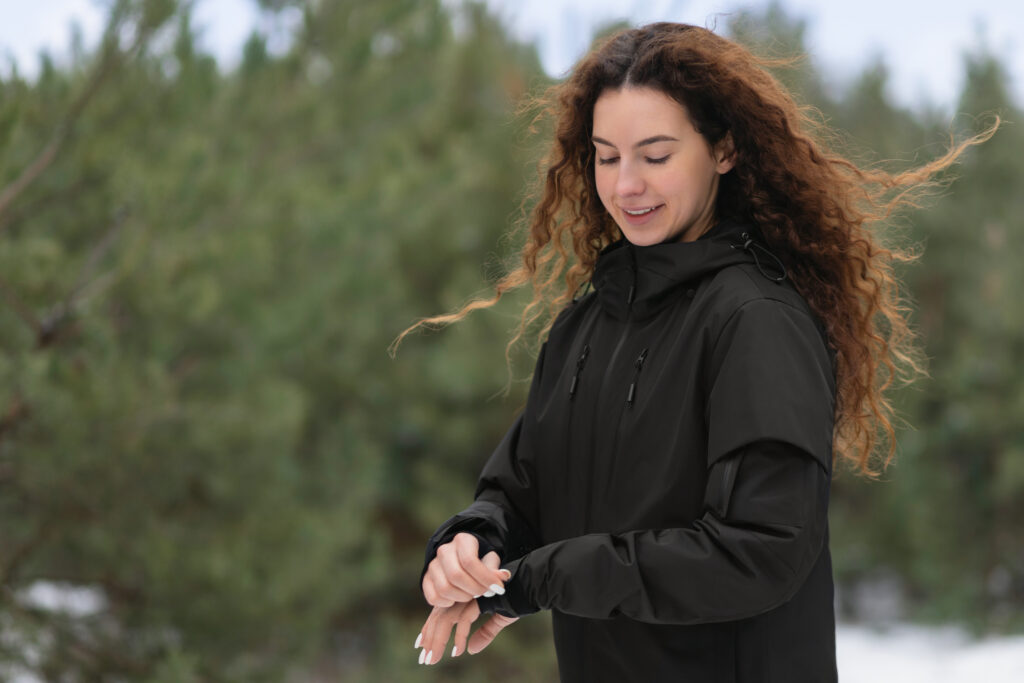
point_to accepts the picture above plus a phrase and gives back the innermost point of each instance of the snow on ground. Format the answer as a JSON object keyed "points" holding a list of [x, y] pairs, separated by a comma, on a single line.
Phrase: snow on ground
{"points": [[919, 654]]}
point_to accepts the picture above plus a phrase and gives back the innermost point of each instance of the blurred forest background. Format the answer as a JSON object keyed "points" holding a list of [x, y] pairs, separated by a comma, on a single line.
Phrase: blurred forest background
{"points": [[203, 440]]}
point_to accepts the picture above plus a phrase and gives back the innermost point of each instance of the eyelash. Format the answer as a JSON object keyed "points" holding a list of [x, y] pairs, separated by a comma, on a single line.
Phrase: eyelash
{"points": [[612, 160]]}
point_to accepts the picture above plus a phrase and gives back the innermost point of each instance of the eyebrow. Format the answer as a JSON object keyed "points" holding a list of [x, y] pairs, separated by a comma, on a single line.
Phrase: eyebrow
{"points": [[645, 141]]}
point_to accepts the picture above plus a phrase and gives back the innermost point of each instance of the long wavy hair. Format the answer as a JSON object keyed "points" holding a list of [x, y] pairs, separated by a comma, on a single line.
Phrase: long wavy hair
{"points": [[814, 208]]}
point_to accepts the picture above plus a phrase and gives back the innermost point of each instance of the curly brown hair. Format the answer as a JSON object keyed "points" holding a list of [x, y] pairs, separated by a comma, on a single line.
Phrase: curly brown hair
{"points": [[814, 208]]}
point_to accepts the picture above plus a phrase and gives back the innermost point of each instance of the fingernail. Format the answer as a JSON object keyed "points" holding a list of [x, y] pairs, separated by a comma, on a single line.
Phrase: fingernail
{"points": [[475, 597], [489, 594], [430, 656], [423, 655], [507, 573], [455, 651], [419, 639], [497, 589]]}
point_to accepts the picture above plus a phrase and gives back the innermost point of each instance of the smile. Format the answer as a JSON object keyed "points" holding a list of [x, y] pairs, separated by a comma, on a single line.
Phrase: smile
{"points": [[640, 212]]}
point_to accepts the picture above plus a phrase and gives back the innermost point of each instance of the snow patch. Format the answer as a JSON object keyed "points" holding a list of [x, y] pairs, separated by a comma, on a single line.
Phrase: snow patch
{"points": [[919, 654], [75, 601]]}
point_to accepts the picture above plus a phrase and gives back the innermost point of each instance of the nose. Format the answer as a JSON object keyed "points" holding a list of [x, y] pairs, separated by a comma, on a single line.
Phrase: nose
{"points": [[630, 182]]}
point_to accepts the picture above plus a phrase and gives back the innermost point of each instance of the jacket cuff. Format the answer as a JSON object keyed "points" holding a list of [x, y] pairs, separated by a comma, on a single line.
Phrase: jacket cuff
{"points": [[515, 602]]}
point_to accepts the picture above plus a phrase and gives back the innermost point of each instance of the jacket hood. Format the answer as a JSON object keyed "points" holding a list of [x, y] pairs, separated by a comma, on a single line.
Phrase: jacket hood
{"points": [[642, 280]]}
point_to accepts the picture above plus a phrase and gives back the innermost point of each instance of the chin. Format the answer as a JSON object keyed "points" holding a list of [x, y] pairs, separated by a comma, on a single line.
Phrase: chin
{"points": [[646, 238]]}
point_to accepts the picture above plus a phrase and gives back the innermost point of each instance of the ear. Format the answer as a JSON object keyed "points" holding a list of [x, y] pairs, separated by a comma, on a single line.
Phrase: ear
{"points": [[725, 154]]}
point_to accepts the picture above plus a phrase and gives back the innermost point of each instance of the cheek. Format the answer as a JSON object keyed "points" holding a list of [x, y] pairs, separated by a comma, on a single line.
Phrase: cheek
{"points": [[680, 182], [605, 185]]}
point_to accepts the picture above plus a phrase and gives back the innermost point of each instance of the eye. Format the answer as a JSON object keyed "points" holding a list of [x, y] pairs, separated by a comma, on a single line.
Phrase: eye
{"points": [[609, 160], [659, 160]]}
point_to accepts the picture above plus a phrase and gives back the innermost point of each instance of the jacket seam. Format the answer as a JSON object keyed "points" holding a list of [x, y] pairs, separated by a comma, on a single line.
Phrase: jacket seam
{"points": [[762, 297]]}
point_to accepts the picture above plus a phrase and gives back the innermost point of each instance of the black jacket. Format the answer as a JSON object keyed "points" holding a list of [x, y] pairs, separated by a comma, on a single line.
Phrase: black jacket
{"points": [[665, 490]]}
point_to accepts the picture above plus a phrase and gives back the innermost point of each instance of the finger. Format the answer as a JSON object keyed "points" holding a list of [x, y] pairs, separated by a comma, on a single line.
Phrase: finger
{"points": [[440, 632], [486, 577], [466, 618], [427, 633], [429, 593], [461, 636], [485, 570], [473, 575], [487, 633], [436, 588], [461, 585], [437, 636], [432, 596], [492, 561]]}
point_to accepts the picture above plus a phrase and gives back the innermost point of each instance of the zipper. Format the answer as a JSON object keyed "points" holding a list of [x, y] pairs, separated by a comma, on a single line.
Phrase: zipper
{"points": [[615, 437], [618, 347], [567, 450], [580, 362], [639, 365], [601, 392]]}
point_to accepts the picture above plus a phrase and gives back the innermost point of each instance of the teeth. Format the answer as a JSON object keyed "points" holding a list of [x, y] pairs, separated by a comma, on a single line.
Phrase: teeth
{"points": [[639, 212]]}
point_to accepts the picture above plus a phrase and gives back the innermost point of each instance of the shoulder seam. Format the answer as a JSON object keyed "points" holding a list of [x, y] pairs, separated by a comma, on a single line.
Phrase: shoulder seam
{"points": [[757, 299], [764, 296]]}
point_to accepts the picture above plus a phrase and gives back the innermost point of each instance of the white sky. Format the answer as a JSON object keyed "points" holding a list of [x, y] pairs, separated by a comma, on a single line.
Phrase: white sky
{"points": [[922, 41]]}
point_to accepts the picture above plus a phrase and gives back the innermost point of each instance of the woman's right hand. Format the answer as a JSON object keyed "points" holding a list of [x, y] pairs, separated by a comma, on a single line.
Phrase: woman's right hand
{"points": [[458, 574]]}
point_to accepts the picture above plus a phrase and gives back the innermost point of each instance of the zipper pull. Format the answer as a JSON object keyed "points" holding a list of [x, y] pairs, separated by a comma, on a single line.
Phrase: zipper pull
{"points": [[639, 365], [579, 367]]}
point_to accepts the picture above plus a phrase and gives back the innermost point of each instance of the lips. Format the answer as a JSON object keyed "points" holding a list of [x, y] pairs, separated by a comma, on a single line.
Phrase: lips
{"points": [[640, 214]]}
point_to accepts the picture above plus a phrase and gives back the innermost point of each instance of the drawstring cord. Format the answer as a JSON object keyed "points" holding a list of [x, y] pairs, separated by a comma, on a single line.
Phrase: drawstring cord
{"points": [[588, 329], [638, 364], [580, 362], [749, 245]]}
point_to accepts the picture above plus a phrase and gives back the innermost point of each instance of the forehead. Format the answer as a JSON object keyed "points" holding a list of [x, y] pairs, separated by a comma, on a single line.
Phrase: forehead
{"points": [[635, 113]]}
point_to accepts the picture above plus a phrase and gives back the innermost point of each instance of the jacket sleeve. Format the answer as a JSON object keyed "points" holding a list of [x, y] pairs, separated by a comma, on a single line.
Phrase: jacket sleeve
{"points": [[503, 515], [765, 503], [761, 533]]}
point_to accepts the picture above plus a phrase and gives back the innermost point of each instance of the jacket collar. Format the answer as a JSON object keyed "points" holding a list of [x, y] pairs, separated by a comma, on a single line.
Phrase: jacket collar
{"points": [[643, 280]]}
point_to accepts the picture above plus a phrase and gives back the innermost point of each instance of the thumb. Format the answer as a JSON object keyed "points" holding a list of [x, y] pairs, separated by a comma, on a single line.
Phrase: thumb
{"points": [[486, 633], [492, 561]]}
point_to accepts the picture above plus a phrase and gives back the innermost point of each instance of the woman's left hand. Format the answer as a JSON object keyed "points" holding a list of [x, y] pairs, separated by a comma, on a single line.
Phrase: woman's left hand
{"points": [[435, 632]]}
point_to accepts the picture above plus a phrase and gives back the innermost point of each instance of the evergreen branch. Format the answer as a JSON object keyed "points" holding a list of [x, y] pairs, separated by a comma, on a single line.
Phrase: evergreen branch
{"points": [[110, 59], [46, 199], [20, 308], [48, 328], [85, 276]]}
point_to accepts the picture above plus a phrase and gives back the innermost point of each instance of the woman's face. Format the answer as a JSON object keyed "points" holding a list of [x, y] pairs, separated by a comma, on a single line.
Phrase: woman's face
{"points": [[656, 175]]}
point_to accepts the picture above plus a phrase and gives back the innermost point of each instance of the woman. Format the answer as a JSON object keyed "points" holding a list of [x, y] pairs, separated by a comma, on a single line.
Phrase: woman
{"points": [[665, 491]]}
